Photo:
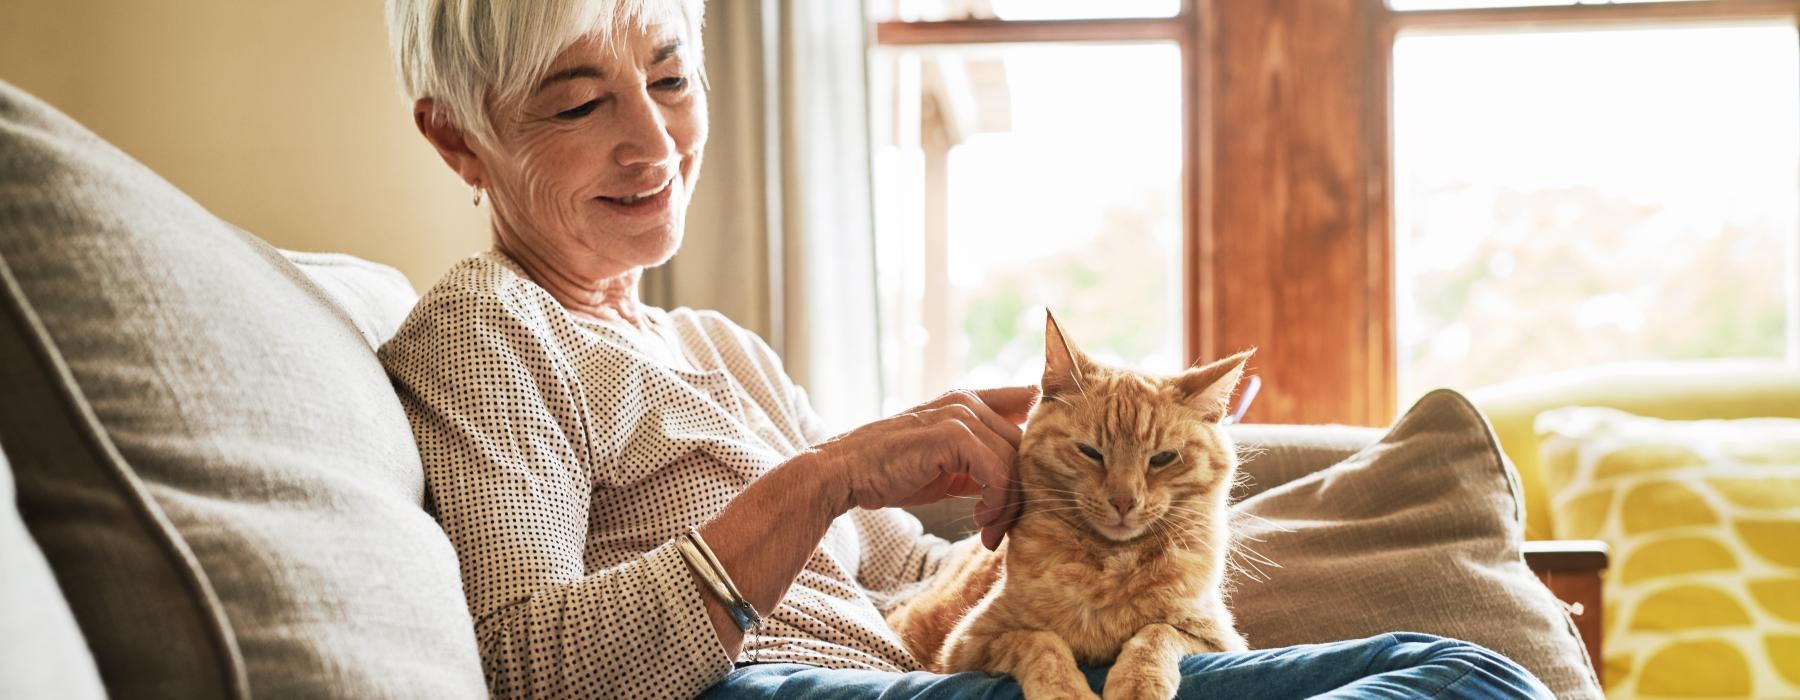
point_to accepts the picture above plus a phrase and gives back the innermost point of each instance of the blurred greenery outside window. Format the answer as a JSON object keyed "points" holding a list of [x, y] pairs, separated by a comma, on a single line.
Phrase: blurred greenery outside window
{"points": [[1561, 198], [1572, 198], [1010, 178]]}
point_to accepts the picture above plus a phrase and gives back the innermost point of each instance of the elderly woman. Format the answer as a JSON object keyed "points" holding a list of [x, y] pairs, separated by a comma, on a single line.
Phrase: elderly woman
{"points": [[641, 499]]}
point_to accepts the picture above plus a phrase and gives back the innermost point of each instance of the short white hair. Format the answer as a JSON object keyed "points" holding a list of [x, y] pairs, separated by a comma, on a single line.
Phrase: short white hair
{"points": [[467, 55]]}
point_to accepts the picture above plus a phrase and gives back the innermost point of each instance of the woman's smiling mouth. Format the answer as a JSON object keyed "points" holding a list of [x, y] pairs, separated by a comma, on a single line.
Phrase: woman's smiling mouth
{"points": [[642, 202]]}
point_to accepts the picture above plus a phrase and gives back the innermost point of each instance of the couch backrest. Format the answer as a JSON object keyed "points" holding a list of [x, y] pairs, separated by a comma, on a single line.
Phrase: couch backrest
{"points": [[219, 474], [376, 298]]}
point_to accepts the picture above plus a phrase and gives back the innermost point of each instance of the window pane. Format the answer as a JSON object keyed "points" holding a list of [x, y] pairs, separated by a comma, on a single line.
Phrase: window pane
{"points": [[1466, 4], [1010, 179], [932, 10], [1574, 198]]}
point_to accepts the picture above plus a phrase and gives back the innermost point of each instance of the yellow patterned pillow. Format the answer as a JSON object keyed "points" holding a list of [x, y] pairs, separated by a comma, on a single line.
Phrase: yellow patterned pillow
{"points": [[1703, 599]]}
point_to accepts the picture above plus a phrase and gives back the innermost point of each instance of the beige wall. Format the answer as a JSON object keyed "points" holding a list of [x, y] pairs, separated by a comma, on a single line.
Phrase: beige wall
{"points": [[281, 117]]}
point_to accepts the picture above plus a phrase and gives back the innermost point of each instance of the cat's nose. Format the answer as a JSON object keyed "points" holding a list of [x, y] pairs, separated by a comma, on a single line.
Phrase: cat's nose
{"points": [[1123, 504]]}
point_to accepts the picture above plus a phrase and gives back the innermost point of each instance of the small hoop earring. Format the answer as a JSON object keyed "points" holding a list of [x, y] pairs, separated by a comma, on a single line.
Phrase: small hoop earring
{"points": [[477, 188]]}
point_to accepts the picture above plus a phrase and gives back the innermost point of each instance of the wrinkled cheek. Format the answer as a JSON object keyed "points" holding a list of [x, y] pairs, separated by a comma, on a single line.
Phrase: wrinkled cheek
{"points": [[549, 205]]}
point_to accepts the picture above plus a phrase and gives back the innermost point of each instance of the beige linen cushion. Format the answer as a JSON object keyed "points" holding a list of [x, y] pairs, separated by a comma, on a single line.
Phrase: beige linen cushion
{"points": [[1419, 531], [158, 631], [1349, 532], [243, 428]]}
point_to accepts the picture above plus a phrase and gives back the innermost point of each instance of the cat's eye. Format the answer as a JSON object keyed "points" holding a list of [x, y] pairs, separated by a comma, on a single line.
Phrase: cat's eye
{"points": [[1091, 453], [1163, 458]]}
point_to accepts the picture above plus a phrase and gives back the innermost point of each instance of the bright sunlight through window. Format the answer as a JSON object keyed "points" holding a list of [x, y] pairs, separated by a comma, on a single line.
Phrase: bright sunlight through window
{"points": [[1008, 179], [1576, 198]]}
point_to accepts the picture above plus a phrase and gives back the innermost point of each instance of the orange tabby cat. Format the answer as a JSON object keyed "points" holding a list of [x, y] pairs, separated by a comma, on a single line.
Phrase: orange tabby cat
{"points": [[1120, 551]]}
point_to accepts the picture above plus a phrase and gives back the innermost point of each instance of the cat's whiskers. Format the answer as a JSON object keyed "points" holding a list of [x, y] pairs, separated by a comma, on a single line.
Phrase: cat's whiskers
{"points": [[1052, 497], [1194, 518], [1267, 524], [1162, 530], [1240, 556], [1180, 528], [1037, 501], [1247, 566], [1039, 486], [1061, 509]]}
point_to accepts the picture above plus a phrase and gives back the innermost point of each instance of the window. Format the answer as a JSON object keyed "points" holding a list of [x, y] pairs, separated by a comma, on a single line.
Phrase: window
{"points": [[938, 10], [1013, 176], [1572, 198], [1468, 4], [1382, 196]]}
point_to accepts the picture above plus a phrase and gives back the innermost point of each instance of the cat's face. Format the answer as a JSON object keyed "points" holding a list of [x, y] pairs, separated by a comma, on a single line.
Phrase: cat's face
{"points": [[1123, 453]]}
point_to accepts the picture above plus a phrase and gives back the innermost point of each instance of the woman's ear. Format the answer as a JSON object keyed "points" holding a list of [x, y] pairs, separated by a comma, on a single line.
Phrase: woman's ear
{"points": [[452, 143]]}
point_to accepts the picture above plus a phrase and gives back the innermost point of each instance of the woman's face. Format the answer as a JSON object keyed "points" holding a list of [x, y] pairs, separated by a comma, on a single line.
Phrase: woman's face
{"points": [[595, 168]]}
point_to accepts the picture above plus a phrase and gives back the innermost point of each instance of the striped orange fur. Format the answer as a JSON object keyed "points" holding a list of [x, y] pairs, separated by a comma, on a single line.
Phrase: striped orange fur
{"points": [[1119, 554]]}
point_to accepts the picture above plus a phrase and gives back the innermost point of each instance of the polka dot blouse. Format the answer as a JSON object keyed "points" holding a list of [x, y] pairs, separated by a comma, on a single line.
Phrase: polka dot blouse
{"points": [[563, 457]]}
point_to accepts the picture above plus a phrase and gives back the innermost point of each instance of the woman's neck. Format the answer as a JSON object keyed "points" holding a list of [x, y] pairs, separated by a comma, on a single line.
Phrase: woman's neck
{"points": [[608, 296]]}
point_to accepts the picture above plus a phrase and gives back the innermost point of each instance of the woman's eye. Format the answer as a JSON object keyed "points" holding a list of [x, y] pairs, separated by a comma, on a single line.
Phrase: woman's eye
{"points": [[1091, 453], [579, 112], [671, 84], [1162, 459]]}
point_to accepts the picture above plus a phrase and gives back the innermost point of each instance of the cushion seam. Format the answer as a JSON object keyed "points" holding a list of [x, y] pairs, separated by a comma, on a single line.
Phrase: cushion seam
{"points": [[1515, 491], [92, 436]]}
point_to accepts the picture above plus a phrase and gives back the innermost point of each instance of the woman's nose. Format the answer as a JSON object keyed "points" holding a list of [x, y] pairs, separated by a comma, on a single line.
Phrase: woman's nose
{"points": [[644, 134]]}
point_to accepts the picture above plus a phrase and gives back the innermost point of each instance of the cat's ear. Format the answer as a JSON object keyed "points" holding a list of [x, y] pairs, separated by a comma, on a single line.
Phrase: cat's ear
{"points": [[1063, 363], [1208, 388]]}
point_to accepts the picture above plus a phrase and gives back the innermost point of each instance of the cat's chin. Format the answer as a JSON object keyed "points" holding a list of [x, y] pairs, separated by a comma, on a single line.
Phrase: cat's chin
{"points": [[1118, 533]]}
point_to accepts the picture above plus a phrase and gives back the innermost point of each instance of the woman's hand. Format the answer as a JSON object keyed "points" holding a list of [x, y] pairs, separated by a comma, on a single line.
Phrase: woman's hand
{"points": [[964, 443]]}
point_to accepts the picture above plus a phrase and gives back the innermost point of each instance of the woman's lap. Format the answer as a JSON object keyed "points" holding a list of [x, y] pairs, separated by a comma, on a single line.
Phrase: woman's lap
{"points": [[1399, 665]]}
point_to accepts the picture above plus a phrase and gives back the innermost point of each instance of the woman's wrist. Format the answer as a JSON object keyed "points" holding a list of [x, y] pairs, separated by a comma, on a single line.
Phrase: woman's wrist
{"points": [[822, 477]]}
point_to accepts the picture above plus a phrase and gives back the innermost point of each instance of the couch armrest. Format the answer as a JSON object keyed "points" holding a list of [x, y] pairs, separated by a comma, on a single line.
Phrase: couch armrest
{"points": [[1572, 570]]}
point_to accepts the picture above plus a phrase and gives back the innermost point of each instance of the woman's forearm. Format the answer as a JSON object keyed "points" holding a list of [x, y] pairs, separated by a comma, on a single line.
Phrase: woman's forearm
{"points": [[765, 535]]}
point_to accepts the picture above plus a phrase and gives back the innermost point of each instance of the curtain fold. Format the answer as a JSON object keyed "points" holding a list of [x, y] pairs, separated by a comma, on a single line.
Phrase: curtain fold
{"points": [[779, 236]]}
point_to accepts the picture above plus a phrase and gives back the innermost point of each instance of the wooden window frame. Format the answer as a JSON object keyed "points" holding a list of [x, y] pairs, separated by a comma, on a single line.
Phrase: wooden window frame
{"points": [[1287, 172]]}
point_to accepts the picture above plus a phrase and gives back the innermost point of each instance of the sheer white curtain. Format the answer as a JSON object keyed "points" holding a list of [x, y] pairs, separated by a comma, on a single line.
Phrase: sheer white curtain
{"points": [[779, 235]]}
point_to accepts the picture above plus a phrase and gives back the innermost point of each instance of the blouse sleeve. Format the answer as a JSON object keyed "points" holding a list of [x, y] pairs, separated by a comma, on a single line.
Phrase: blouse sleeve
{"points": [[496, 409]]}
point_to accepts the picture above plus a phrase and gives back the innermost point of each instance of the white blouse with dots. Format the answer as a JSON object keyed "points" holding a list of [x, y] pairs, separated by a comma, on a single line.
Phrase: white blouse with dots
{"points": [[562, 459]]}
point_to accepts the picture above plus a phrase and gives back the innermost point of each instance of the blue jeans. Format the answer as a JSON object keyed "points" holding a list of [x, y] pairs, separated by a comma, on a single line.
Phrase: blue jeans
{"points": [[1399, 665]]}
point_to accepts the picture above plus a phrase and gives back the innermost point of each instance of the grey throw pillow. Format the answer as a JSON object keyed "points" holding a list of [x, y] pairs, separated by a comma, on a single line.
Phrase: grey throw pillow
{"points": [[248, 414], [1419, 531]]}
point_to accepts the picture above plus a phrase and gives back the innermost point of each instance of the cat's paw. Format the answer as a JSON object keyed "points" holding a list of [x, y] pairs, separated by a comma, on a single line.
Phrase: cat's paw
{"points": [[1225, 640], [1058, 691], [1137, 686]]}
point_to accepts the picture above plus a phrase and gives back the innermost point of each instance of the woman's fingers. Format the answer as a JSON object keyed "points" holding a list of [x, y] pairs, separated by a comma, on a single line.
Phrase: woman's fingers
{"points": [[946, 485], [1000, 500], [992, 534], [988, 460], [963, 444], [1004, 447], [1011, 402], [1000, 425]]}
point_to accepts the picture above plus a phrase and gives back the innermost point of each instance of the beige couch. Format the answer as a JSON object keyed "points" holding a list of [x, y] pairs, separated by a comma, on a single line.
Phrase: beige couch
{"points": [[218, 494]]}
